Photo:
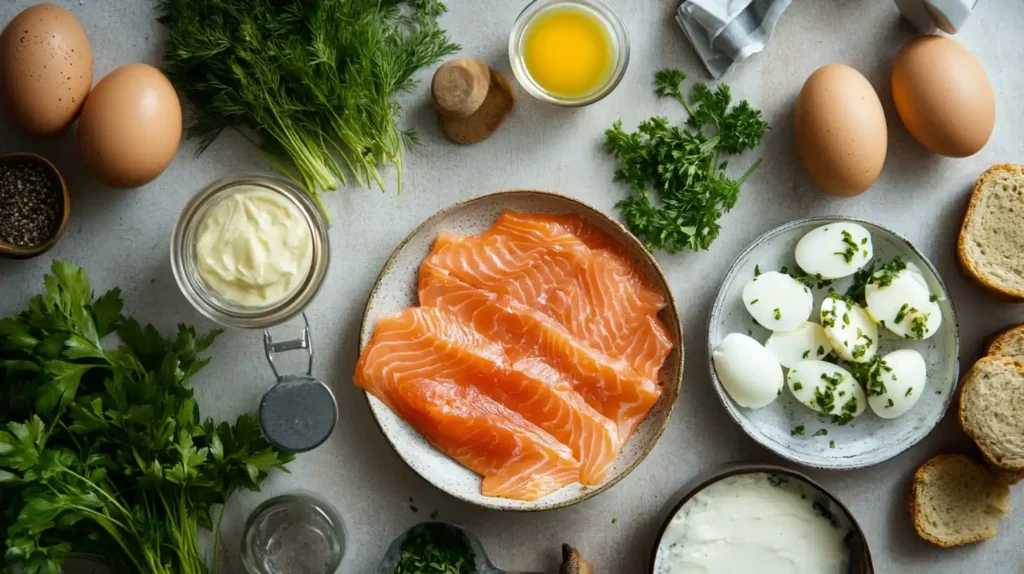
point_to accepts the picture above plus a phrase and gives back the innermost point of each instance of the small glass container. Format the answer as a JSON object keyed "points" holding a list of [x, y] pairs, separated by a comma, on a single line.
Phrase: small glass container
{"points": [[296, 533], [605, 14], [209, 303]]}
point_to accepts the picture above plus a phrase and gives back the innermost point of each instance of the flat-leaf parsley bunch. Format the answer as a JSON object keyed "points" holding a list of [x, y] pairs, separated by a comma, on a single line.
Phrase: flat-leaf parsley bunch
{"points": [[103, 454], [684, 165]]}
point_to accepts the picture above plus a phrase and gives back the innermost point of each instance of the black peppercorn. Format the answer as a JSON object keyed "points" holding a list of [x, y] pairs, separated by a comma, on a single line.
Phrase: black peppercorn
{"points": [[31, 203]]}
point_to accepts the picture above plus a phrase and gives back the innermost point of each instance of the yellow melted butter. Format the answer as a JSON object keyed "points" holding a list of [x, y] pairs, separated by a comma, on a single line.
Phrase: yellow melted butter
{"points": [[568, 51]]}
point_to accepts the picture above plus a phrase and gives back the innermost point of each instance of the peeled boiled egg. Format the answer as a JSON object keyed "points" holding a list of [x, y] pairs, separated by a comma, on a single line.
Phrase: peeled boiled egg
{"points": [[840, 130], [853, 334], [904, 305], [777, 301], [130, 126], [834, 251], [943, 96], [826, 388], [808, 341], [896, 383], [45, 69], [750, 373]]}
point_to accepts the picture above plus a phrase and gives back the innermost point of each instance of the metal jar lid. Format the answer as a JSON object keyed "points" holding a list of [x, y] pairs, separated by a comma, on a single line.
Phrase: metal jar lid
{"points": [[299, 411]]}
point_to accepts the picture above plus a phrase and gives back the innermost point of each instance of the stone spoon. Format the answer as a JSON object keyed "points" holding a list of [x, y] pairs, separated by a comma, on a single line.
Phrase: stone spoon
{"points": [[572, 563]]}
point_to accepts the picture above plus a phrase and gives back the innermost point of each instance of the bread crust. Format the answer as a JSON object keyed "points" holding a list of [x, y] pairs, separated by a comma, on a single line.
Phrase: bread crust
{"points": [[966, 264], [965, 384], [917, 490], [1003, 338]]}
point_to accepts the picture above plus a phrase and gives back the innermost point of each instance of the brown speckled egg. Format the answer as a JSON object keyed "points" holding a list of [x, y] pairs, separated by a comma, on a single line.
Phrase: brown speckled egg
{"points": [[840, 130], [130, 126], [943, 96], [45, 69]]}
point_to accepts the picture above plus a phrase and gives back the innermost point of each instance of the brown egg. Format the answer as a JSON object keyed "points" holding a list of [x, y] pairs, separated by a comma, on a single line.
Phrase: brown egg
{"points": [[840, 130], [943, 96], [45, 69], [130, 126]]}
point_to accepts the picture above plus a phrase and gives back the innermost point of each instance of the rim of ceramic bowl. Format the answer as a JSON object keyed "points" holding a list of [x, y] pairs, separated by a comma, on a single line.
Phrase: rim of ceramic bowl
{"points": [[672, 310], [11, 251], [697, 484], [616, 28], [719, 302]]}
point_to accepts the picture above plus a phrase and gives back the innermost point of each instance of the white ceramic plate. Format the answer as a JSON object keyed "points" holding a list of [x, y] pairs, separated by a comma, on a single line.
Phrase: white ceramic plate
{"points": [[869, 439], [395, 290]]}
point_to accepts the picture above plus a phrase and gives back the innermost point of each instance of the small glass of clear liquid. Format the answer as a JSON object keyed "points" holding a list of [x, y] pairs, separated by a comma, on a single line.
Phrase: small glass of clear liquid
{"points": [[297, 533]]}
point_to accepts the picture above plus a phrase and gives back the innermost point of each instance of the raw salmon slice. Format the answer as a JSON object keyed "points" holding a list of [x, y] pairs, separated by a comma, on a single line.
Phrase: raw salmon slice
{"points": [[504, 265], [433, 344], [516, 459], [586, 284], [609, 385], [608, 305]]}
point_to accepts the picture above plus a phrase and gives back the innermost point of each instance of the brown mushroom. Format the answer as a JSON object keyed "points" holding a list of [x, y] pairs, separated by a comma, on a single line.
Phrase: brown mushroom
{"points": [[573, 563], [472, 100]]}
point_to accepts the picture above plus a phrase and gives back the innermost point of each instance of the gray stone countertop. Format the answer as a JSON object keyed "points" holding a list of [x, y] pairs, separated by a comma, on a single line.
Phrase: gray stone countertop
{"points": [[122, 237]]}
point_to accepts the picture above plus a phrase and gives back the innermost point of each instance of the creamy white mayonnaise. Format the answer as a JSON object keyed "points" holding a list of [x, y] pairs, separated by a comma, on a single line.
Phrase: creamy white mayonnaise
{"points": [[752, 523], [254, 247]]}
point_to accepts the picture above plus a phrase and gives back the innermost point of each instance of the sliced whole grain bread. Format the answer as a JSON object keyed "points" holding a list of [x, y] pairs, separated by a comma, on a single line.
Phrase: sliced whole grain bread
{"points": [[955, 500], [991, 397], [1008, 343], [991, 243]]}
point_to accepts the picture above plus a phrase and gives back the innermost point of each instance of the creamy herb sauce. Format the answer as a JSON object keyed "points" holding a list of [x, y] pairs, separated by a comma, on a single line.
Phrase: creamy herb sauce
{"points": [[753, 523]]}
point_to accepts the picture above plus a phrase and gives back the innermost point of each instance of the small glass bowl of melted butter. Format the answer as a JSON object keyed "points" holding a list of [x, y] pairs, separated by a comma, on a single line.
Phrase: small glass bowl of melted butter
{"points": [[568, 52], [250, 251]]}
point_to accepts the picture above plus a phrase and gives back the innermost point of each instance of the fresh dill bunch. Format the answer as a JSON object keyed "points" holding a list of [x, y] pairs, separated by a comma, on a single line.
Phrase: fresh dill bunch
{"points": [[312, 83]]}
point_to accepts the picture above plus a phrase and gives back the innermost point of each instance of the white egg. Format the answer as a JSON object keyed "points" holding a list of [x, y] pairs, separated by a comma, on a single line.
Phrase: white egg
{"points": [[827, 389], [777, 301], [896, 383], [835, 250], [750, 374], [849, 328], [905, 305], [808, 341]]}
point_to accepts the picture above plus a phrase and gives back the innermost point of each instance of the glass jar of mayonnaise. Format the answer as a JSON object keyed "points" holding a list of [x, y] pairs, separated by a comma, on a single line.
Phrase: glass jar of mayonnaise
{"points": [[250, 251]]}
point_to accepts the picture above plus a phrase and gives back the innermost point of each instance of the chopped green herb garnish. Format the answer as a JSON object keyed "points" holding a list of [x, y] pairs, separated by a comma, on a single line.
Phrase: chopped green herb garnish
{"points": [[933, 297], [909, 391], [754, 302], [821, 432], [816, 280], [902, 313], [889, 272], [889, 404], [848, 412], [757, 270], [436, 548], [821, 350], [920, 326], [860, 280], [806, 354], [870, 374], [864, 241], [798, 431], [851, 247], [778, 314], [833, 380], [831, 444], [798, 386], [846, 318]]}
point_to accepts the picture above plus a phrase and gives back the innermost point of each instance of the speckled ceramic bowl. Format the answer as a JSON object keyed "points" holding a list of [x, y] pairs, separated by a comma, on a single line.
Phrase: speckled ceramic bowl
{"points": [[395, 290], [869, 439], [856, 541]]}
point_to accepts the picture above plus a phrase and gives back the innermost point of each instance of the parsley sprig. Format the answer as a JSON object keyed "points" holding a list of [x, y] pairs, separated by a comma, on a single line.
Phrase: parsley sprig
{"points": [[103, 452], [684, 165]]}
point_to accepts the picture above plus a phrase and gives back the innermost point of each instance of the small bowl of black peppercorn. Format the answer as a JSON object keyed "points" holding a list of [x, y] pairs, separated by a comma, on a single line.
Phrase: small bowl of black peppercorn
{"points": [[34, 205]]}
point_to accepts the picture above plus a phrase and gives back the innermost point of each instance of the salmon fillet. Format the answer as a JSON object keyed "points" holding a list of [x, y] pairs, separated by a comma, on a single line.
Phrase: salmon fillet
{"points": [[582, 281], [429, 343], [609, 385], [516, 459]]}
